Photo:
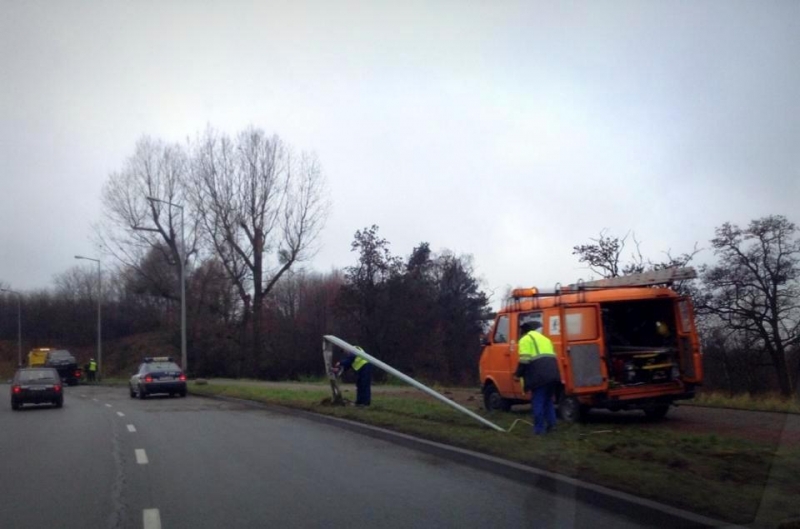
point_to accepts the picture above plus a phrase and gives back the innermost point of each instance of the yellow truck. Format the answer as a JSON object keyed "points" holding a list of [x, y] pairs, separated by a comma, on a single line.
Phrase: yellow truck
{"points": [[38, 357]]}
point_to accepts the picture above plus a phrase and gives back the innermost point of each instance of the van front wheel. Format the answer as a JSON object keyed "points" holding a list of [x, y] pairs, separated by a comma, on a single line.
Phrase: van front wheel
{"points": [[493, 401], [571, 410]]}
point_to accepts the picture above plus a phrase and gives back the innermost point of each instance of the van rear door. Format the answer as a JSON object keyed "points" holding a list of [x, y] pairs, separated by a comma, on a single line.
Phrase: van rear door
{"points": [[583, 360], [691, 360]]}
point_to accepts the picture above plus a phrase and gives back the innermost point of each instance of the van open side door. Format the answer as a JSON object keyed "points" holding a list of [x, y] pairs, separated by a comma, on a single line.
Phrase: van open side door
{"points": [[691, 360], [583, 362]]}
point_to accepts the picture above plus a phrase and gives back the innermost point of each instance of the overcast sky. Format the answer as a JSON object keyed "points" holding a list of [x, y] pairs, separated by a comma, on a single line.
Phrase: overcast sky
{"points": [[511, 131]]}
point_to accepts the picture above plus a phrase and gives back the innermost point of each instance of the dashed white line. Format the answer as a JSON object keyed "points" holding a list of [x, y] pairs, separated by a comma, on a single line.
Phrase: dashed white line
{"points": [[120, 414], [151, 519], [83, 396], [94, 400], [108, 405], [141, 456], [131, 428]]}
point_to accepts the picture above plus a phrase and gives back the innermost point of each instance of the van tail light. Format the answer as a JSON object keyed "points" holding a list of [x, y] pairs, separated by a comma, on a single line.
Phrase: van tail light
{"points": [[148, 379], [182, 377], [57, 388], [16, 389]]}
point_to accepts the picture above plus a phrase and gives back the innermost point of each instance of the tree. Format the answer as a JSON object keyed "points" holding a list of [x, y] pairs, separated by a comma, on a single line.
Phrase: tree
{"points": [[261, 209], [364, 298], [422, 316], [754, 287], [604, 257], [136, 226], [462, 309]]}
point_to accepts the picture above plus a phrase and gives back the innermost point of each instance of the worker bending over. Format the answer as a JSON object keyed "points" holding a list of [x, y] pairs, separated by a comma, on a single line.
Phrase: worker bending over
{"points": [[538, 369], [363, 371]]}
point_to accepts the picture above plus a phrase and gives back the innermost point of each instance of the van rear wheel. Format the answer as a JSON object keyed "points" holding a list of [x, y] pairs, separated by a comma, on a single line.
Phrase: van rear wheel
{"points": [[493, 401]]}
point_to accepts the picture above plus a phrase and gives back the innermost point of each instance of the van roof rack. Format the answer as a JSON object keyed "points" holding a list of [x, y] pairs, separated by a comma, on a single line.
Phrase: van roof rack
{"points": [[665, 276]]}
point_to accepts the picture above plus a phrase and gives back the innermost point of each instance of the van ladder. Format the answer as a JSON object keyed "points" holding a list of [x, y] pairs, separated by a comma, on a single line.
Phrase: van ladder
{"points": [[644, 279]]}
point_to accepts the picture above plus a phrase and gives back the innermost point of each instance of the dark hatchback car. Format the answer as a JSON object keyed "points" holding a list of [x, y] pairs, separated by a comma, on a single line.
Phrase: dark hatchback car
{"points": [[158, 375], [36, 385], [66, 365]]}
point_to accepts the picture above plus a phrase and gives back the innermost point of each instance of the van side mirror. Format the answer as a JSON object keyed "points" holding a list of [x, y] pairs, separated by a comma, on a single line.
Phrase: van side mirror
{"points": [[485, 340]]}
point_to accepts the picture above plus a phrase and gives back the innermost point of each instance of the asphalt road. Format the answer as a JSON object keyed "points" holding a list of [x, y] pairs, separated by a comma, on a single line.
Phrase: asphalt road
{"points": [[106, 461]]}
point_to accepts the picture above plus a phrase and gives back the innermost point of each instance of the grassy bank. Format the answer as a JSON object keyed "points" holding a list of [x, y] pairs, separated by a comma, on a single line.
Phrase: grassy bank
{"points": [[767, 402], [726, 478]]}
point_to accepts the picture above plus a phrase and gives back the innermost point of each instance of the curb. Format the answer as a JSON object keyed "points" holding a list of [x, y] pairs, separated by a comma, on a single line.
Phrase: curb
{"points": [[647, 512]]}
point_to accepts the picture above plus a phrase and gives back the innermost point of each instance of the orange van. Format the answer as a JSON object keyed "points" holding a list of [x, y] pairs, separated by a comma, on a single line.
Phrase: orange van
{"points": [[622, 343]]}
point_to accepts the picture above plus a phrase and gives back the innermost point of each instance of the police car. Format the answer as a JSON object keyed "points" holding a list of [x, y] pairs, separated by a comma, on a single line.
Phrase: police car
{"points": [[158, 375]]}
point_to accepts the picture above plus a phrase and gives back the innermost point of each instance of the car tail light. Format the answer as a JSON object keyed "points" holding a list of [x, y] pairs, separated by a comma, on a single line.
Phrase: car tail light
{"points": [[57, 388], [77, 374], [148, 378], [182, 377], [16, 389]]}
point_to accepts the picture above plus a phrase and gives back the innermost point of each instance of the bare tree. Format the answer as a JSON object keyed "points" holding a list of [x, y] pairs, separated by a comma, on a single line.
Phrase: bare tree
{"points": [[135, 226], [261, 209], [603, 255], [755, 287], [77, 284]]}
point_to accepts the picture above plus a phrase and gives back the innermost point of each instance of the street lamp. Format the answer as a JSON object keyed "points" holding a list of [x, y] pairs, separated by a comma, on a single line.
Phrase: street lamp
{"points": [[183, 278], [19, 323], [99, 312]]}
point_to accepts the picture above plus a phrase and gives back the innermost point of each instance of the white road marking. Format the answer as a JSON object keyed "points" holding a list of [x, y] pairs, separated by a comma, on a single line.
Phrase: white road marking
{"points": [[120, 414], [131, 428], [141, 457], [94, 400], [108, 405], [83, 396], [151, 519]]}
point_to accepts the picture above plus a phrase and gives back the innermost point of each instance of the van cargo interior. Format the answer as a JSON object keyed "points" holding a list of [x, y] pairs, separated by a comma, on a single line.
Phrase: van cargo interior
{"points": [[641, 341]]}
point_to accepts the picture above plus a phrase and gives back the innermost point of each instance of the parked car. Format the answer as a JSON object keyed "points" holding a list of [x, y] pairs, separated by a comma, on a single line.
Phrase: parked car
{"points": [[36, 386], [66, 365], [158, 375]]}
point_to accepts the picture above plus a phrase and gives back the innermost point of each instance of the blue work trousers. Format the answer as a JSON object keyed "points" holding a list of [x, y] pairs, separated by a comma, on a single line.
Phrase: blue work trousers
{"points": [[364, 385], [543, 409]]}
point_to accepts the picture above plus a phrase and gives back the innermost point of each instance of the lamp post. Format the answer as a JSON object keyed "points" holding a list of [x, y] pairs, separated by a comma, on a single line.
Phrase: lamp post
{"points": [[99, 316], [19, 323], [183, 278]]}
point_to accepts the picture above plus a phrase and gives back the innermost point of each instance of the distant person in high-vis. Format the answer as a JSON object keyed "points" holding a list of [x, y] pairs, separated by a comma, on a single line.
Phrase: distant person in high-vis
{"points": [[538, 368], [92, 370], [363, 371]]}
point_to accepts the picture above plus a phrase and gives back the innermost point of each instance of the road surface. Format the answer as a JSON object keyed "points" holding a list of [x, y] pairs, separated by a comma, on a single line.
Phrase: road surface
{"points": [[107, 461]]}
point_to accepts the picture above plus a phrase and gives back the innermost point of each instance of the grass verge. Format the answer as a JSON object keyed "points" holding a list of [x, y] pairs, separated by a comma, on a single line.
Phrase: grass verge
{"points": [[769, 402], [731, 479]]}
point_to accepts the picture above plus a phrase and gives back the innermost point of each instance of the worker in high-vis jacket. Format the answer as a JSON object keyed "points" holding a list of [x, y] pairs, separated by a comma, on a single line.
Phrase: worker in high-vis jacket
{"points": [[363, 371], [538, 369], [92, 370]]}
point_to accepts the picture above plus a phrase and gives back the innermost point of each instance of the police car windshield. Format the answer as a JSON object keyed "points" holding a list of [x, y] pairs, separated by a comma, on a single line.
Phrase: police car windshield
{"points": [[162, 366]]}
